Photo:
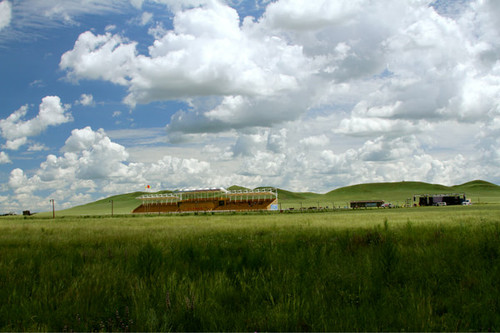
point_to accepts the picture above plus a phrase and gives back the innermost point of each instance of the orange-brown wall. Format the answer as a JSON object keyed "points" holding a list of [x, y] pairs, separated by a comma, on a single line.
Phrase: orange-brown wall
{"points": [[204, 206]]}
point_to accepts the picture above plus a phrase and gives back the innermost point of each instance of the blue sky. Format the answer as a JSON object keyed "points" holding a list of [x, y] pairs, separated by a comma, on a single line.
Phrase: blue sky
{"points": [[106, 97]]}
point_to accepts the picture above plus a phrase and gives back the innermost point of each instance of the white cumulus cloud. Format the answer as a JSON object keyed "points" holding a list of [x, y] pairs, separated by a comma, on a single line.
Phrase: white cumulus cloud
{"points": [[207, 53], [107, 57], [4, 158], [307, 95], [262, 79], [91, 161], [384, 56], [17, 131]]}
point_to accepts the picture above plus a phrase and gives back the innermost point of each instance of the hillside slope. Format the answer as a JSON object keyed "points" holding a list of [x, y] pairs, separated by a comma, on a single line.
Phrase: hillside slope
{"points": [[397, 193], [477, 185], [480, 191]]}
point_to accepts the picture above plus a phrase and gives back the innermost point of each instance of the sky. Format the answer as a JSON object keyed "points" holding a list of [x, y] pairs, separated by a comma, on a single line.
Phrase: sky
{"points": [[104, 97]]}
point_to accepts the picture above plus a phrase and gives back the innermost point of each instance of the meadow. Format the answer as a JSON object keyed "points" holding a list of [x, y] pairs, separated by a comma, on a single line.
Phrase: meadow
{"points": [[412, 269], [397, 193]]}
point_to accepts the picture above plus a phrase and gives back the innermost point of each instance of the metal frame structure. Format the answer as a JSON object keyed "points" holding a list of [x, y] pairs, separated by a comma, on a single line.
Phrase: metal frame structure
{"points": [[218, 197]]}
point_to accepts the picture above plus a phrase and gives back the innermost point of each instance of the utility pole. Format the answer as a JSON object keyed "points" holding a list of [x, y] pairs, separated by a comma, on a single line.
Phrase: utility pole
{"points": [[53, 209], [111, 207]]}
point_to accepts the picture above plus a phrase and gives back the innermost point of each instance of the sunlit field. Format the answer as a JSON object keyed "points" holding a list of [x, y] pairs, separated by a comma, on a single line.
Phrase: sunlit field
{"points": [[414, 269]]}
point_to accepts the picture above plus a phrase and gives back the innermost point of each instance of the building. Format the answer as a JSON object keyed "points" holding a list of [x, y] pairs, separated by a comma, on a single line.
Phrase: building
{"points": [[367, 204], [439, 199], [207, 200]]}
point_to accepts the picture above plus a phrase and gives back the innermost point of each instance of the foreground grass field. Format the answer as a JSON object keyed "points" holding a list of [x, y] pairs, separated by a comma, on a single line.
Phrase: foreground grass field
{"points": [[416, 269]]}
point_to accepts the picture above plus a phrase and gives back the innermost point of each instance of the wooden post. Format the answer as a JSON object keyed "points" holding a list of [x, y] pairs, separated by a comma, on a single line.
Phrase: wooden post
{"points": [[53, 209]]}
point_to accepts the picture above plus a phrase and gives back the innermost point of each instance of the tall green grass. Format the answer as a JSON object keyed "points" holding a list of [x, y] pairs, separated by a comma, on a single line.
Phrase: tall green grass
{"points": [[410, 269]]}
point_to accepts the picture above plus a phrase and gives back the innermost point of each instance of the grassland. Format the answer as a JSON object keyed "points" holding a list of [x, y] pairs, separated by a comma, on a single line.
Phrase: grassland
{"points": [[413, 269], [397, 193]]}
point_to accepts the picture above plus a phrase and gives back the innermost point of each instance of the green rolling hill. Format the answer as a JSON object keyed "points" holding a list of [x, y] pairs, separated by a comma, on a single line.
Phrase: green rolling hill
{"points": [[397, 193], [400, 193]]}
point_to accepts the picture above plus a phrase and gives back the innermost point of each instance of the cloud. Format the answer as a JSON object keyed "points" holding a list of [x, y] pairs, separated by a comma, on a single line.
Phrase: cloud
{"points": [[384, 160], [4, 158], [91, 159], [248, 143], [296, 57], [37, 84], [168, 166], [176, 5], [37, 147], [16, 131], [53, 11], [238, 112], [208, 53], [277, 140], [264, 163], [137, 3], [372, 126], [107, 57], [103, 161], [15, 144], [38, 17], [68, 10], [305, 97], [82, 139], [20, 182], [315, 140], [93, 155], [305, 15], [91, 162], [146, 17], [382, 149], [5, 14], [86, 100]]}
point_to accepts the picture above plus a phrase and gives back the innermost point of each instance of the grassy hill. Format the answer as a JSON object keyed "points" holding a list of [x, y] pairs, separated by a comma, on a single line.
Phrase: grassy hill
{"points": [[400, 193], [287, 196], [397, 193], [480, 191], [121, 204]]}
